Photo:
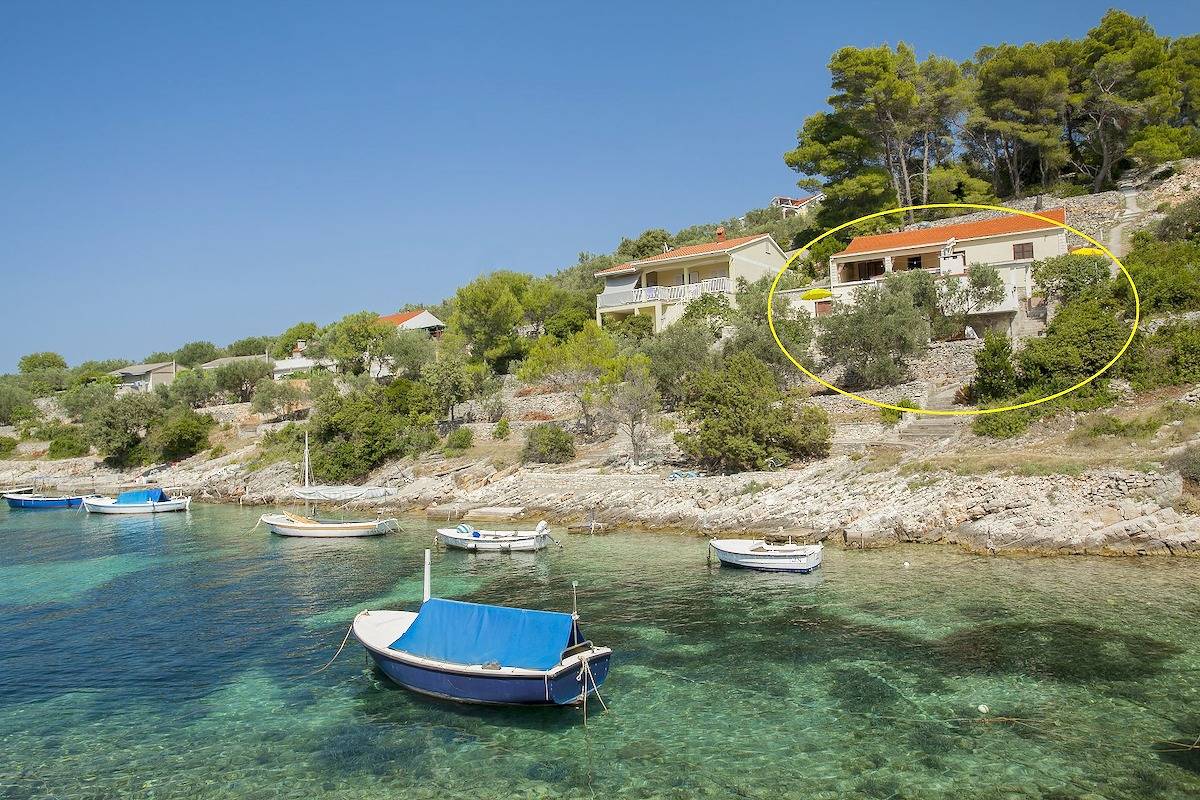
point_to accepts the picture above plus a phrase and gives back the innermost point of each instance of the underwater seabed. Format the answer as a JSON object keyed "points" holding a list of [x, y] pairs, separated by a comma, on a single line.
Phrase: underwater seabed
{"points": [[175, 660]]}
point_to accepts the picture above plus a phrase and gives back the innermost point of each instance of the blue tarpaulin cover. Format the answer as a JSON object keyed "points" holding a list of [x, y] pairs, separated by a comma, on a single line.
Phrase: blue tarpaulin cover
{"points": [[154, 495], [471, 633]]}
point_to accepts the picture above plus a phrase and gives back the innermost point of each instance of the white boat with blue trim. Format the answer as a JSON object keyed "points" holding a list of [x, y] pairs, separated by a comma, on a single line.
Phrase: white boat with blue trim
{"points": [[762, 555], [466, 537], [137, 501], [476, 653]]}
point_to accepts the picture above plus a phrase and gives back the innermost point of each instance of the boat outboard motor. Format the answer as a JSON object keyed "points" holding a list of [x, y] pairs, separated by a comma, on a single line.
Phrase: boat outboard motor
{"points": [[541, 526]]}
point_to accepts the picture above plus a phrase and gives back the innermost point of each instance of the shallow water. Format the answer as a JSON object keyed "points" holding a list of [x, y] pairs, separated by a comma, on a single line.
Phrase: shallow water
{"points": [[170, 657]]}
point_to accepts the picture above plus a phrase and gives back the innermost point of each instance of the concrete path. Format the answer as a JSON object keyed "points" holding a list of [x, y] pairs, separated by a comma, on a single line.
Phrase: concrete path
{"points": [[1117, 240]]}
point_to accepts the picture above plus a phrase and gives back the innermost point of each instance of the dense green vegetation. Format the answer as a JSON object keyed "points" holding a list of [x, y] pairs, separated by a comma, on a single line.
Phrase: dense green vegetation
{"points": [[741, 421], [1092, 322], [902, 131], [548, 444]]}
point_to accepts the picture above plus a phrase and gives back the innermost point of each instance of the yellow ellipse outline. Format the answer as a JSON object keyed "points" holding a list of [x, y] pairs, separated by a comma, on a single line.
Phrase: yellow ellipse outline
{"points": [[1137, 312]]}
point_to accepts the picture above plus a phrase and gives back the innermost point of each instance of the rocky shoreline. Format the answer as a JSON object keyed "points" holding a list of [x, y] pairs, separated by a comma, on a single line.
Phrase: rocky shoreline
{"points": [[840, 500]]}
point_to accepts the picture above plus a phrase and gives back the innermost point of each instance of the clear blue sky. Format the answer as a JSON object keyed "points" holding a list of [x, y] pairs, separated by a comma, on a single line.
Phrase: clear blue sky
{"points": [[174, 171]]}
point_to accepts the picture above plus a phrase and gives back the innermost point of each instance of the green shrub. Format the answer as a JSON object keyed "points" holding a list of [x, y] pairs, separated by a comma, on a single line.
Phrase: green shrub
{"points": [[891, 416], [548, 444], [994, 373], [1004, 425], [1188, 464], [69, 443], [16, 404], [7, 446], [1108, 425], [460, 439], [502, 430], [180, 434], [741, 420]]}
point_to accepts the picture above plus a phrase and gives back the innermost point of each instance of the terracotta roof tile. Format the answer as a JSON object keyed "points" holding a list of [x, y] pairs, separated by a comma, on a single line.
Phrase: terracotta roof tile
{"points": [[686, 250], [1010, 223], [402, 317]]}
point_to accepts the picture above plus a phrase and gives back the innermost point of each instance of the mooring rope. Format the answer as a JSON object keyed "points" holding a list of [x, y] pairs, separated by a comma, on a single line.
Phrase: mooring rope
{"points": [[335, 655]]}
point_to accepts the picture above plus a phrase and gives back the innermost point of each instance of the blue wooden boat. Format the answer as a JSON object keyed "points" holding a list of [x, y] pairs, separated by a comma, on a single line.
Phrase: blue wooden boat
{"points": [[25, 498], [477, 653]]}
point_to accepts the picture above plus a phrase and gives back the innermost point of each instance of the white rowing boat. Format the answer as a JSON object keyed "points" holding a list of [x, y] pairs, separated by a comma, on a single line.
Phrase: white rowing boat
{"points": [[465, 537], [760, 555], [291, 524]]}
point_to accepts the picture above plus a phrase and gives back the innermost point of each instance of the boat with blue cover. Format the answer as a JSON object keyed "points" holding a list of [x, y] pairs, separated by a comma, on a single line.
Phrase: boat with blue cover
{"points": [[137, 501], [27, 498], [477, 653]]}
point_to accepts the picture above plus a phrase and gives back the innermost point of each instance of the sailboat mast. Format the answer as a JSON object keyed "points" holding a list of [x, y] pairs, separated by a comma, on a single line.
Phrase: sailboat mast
{"points": [[306, 459]]}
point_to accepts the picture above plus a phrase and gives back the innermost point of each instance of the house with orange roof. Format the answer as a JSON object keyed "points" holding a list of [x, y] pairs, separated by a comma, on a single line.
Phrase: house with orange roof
{"points": [[1010, 243], [419, 320], [663, 284]]}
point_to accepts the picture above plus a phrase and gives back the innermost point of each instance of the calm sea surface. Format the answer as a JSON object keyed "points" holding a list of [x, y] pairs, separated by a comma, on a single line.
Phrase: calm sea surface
{"points": [[169, 657]]}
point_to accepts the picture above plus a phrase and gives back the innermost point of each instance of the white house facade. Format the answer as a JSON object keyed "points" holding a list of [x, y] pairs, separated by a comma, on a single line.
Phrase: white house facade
{"points": [[1010, 243], [662, 285]]}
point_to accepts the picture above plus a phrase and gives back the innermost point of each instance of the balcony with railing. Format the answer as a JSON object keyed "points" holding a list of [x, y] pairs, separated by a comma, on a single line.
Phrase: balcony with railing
{"points": [[664, 294]]}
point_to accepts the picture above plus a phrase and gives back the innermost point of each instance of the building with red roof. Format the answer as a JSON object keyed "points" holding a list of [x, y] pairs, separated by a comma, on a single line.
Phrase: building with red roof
{"points": [[1011, 243], [419, 320], [662, 285]]}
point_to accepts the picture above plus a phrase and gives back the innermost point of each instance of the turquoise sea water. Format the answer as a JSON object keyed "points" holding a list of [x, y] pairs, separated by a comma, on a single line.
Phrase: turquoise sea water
{"points": [[170, 657]]}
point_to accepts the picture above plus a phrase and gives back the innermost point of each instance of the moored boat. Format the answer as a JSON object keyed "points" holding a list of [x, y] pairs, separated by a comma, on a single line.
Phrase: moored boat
{"points": [[476, 653], [466, 537], [137, 501], [27, 498], [762, 555], [288, 523]]}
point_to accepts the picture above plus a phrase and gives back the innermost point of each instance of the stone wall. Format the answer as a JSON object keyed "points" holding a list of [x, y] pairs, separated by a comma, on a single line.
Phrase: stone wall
{"points": [[840, 404], [1094, 214], [948, 362]]}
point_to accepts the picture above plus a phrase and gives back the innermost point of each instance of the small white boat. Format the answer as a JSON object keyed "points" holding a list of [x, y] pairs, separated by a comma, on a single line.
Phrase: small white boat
{"points": [[138, 501], [288, 523], [761, 555], [466, 537]]}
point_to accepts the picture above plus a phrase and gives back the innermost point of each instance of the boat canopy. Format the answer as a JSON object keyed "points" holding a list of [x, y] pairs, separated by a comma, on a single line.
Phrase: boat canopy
{"points": [[472, 633], [155, 495]]}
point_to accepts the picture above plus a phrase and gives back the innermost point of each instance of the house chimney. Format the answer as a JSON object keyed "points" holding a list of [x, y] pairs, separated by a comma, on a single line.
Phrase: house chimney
{"points": [[720, 233]]}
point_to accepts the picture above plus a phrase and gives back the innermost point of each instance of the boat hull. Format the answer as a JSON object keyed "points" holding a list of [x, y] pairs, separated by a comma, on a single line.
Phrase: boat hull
{"points": [[560, 688], [281, 526], [108, 506], [485, 544], [804, 560], [29, 501]]}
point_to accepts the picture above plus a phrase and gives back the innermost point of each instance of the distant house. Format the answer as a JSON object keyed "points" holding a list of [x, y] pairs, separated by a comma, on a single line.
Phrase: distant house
{"points": [[1010, 243], [663, 284], [795, 206], [297, 362], [145, 377], [216, 363], [419, 320]]}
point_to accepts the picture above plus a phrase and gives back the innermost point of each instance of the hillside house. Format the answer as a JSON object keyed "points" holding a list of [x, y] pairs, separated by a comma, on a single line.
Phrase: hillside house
{"points": [[795, 206], [145, 377], [1010, 243], [217, 363], [662, 285], [419, 320]]}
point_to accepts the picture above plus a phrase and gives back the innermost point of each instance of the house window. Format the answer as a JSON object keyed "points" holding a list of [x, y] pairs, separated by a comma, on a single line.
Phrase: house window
{"points": [[1022, 250], [914, 262]]}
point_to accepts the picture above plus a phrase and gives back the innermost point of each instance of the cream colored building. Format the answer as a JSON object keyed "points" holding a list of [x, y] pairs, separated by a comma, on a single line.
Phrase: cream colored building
{"points": [[1010, 243], [662, 285]]}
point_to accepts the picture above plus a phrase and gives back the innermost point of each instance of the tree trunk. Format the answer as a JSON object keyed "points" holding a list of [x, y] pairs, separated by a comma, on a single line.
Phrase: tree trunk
{"points": [[925, 171]]}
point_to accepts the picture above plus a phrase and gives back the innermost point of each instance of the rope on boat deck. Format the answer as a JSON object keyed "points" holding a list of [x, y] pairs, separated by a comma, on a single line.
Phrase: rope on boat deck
{"points": [[335, 655]]}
